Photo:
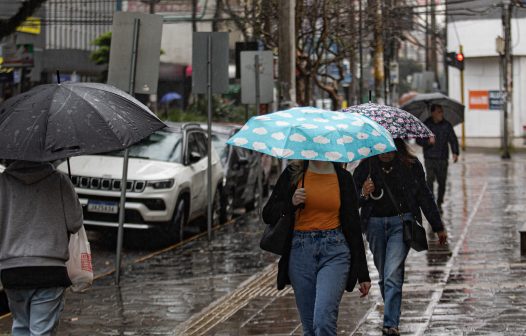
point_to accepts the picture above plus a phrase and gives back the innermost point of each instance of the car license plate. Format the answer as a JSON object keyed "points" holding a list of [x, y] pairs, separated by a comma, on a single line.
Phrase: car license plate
{"points": [[103, 207]]}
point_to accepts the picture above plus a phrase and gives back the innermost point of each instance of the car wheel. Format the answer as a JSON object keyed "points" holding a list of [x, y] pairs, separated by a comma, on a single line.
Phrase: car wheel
{"points": [[227, 206], [173, 230]]}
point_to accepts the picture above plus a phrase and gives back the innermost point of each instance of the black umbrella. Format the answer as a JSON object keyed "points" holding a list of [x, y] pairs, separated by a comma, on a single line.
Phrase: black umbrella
{"points": [[56, 121], [419, 106]]}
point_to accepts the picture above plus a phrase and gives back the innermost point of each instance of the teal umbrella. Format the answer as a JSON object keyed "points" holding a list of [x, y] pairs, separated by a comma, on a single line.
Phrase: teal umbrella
{"points": [[308, 133]]}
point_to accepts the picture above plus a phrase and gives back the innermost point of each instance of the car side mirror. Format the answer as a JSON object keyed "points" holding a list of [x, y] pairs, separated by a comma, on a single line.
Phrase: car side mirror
{"points": [[195, 157]]}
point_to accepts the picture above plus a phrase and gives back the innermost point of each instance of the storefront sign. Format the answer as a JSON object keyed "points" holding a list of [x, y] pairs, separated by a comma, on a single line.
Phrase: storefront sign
{"points": [[18, 55], [30, 26], [496, 100], [478, 100]]}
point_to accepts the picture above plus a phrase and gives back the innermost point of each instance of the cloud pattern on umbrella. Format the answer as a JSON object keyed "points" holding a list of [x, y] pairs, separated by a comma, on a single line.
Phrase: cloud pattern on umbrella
{"points": [[308, 133], [399, 123]]}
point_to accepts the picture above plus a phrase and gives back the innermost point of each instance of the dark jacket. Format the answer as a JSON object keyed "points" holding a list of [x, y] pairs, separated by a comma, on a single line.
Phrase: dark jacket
{"points": [[280, 204], [414, 187], [444, 135]]}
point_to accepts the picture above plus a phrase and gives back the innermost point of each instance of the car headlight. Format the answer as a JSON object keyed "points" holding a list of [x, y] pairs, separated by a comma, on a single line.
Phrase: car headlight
{"points": [[162, 184]]}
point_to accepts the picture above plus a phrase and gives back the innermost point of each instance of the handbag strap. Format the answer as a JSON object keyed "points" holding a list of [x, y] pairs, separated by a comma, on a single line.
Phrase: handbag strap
{"points": [[391, 196]]}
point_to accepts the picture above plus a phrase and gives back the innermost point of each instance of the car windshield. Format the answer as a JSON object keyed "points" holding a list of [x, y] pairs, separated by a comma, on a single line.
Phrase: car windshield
{"points": [[219, 142], [159, 146]]}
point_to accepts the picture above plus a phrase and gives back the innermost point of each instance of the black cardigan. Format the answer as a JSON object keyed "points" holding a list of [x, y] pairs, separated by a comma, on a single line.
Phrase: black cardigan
{"points": [[414, 188], [280, 204]]}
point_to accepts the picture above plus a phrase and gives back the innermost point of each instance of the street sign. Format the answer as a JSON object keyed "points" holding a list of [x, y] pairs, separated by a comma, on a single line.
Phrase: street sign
{"points": [[248, 77], [240, 47], [219, 58], [148, 52], [496, 100]]}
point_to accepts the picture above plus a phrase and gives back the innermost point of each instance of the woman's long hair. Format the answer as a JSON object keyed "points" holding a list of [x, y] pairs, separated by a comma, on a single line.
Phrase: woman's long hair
{"points": [[297, 169], [405, 154]]}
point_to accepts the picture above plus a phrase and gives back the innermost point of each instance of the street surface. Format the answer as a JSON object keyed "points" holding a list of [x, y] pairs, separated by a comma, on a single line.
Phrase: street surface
{"points": [[474, 286]]}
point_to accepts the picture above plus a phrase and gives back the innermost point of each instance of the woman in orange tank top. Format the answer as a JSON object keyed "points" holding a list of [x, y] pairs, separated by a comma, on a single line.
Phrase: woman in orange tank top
{"points": [[321, 199]]}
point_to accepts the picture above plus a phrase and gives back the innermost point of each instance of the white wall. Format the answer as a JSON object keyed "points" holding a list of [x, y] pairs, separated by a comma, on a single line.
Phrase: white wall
{"points": [[478, 36]]}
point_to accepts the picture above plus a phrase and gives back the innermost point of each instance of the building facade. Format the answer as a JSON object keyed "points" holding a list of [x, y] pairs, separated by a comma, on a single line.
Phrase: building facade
{"points": [[476, 28]]}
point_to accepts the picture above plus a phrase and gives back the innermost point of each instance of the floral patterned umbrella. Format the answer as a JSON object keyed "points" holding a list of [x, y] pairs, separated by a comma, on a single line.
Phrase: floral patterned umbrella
{"points": [[399, 123]]}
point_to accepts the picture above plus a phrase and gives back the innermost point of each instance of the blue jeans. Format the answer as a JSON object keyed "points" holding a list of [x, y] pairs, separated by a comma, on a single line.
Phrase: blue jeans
{"points": [[386, 241], [318, 268], [36, 312]]}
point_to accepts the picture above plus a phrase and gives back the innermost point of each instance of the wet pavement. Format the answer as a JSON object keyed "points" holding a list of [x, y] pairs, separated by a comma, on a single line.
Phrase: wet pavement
{"points": [[475, 286]]}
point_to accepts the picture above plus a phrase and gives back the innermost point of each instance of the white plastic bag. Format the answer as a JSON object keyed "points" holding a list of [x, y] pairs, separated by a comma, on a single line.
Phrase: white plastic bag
{"points": [[79, 266]]}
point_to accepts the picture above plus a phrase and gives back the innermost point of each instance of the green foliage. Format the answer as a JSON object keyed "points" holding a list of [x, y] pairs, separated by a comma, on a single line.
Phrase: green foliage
{"points": [[102, 54], [223, 111]]}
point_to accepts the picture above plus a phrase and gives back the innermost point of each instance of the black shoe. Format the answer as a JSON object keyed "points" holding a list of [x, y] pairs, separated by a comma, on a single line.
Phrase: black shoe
{"points": [[393, 331]]}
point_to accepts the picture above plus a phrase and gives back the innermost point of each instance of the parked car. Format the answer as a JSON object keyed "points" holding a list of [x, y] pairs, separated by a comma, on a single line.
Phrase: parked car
{"points": [[166, 185], [240, 188]]}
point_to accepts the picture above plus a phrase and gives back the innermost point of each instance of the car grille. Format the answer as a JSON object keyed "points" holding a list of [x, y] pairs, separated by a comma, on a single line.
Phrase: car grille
{"points": [[97, 183], [151, 203]]}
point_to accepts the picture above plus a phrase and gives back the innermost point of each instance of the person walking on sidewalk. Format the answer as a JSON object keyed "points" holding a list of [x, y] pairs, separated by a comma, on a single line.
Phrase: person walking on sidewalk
{"points": [[39, 209], [436, 151], [403, 175], [326, 237]]}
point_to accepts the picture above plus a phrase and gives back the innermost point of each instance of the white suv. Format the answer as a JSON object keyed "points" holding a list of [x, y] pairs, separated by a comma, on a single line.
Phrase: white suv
{"points": [[166, 182]]}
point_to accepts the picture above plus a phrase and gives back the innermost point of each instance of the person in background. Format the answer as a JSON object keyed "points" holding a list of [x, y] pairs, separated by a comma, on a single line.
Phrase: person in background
{"points": [[436, 151], [403, 174], [323, 202], [39, 209]]}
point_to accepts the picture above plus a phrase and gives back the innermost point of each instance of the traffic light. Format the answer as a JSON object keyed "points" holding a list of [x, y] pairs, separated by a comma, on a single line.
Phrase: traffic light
{"points": [[455, 60]]}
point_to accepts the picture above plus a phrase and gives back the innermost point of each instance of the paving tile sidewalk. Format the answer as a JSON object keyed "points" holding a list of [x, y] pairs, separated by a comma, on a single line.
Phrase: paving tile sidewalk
{"points": [[476, 286]]}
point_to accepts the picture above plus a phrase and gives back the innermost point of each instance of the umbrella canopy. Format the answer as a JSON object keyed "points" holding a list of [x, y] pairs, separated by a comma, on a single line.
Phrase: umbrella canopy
{"points": [[419, 106], [169, 97], [399, 123], [55, 121], [308, 133]]}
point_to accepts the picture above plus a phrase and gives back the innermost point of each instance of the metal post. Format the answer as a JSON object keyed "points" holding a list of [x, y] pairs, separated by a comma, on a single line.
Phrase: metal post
{"points": [[463, 126], [361, 49], [124, 180], [260, 182], [506, 25], [209, 138]]}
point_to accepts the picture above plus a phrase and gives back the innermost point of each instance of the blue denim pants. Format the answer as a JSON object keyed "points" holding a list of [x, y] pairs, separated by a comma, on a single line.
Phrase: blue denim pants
{"points": [[318, 269], [386, 241], [36, 312]]}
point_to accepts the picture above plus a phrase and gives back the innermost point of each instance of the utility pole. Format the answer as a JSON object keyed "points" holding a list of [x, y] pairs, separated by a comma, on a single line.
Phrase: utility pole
{"points": [[507, 11], [360, 46], [378, 53], [446, 68], [427, 36], [287, 51], [433, 47]]}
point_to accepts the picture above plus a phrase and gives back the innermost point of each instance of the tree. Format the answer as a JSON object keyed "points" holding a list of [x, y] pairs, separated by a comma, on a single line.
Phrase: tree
{"points": [[101, 55], [7, 27]]}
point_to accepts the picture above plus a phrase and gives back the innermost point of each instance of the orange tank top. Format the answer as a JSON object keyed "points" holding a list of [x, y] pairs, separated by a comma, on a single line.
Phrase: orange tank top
{"points": [[322, 205]]}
